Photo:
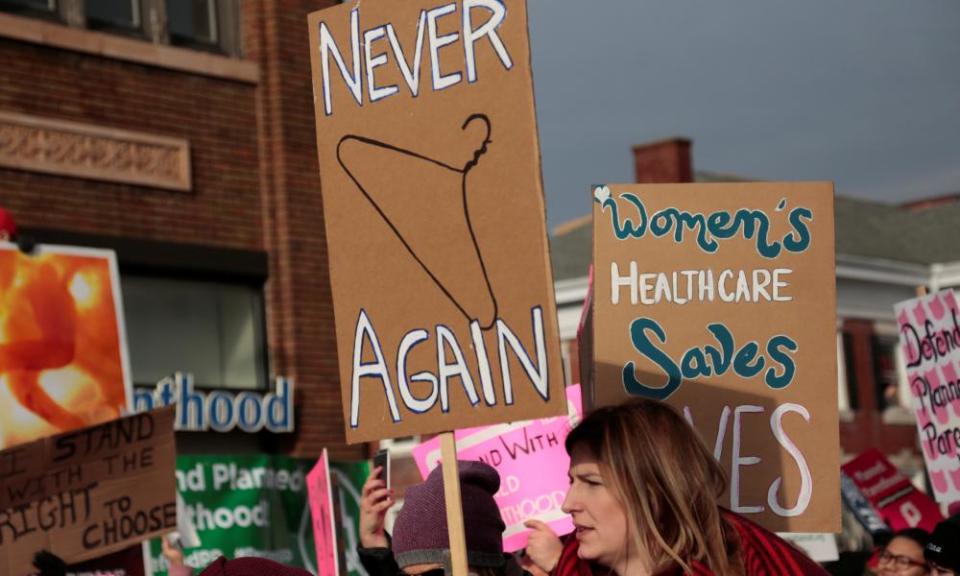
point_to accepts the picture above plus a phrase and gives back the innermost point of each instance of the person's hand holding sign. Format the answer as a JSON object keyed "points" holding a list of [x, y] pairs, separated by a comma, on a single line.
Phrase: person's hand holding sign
{"points": [[543, 546], [375, 500]]}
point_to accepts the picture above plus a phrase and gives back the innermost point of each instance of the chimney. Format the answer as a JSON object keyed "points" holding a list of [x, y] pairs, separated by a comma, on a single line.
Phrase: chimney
{"points": [[664, 161]]}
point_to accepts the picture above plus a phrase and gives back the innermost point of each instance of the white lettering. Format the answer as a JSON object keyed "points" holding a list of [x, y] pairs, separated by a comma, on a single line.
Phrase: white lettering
{"points": [[806, 480], [369, 37], [488, 29], [737, 461], [375, 369], [327, 47], [440, 81]]}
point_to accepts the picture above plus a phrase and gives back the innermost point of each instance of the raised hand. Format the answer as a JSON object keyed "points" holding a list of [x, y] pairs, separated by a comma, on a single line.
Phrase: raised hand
{"points": [[375, 500]]}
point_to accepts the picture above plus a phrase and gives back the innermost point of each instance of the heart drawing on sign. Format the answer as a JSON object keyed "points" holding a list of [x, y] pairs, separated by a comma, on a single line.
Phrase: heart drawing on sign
{"points": [[424, 202]]}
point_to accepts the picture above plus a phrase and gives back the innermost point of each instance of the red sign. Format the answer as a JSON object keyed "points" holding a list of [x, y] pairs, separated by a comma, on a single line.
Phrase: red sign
{"points": [[899, 503]]}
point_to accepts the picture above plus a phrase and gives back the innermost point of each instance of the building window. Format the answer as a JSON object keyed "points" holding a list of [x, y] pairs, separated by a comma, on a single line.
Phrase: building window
{"points": [[893, 390], [843, 391], [193, 22], [211, 25], [121, 15], [35, 6], [885, 371], [213, 330], [850, 372]]}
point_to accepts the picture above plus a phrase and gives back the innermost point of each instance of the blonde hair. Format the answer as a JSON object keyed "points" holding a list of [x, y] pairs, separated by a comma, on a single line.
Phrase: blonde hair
{"points": [[666, 480]]}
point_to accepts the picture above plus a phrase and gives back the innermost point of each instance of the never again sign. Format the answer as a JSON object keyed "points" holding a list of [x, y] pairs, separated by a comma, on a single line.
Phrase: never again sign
{"points": [[720, 299], [434, 216]]}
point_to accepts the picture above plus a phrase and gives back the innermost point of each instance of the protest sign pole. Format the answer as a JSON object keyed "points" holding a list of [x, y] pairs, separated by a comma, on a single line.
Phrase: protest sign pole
{"points": [[451, 495]]}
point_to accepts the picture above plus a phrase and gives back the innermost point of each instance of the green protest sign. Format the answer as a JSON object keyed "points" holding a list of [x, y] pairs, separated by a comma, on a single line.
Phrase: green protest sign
{"points": [[257, 506]]}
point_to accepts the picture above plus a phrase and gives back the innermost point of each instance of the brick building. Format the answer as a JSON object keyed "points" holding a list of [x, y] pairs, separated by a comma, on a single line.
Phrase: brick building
{"points": [[181, 135]]}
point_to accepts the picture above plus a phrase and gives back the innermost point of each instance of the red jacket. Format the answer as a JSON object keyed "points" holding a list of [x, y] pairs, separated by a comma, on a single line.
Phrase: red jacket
{"points": [[763, 553]]}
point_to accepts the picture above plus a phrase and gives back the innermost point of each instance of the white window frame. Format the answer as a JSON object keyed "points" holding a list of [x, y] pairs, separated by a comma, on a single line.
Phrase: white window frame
{"points": [[903, 413], [843, 387]]}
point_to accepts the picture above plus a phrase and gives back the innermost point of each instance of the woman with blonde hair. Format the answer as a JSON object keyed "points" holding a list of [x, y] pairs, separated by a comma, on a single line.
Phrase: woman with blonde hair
{"points": [[643, 498]]}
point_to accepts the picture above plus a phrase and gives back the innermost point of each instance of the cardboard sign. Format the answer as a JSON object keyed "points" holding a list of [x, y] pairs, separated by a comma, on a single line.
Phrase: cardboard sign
{"points": [[434, 216], [87, 493], [899, 503], [321, 511], [720, 299], [818, 546], [63, 353], [930, 340], [532, 463]]}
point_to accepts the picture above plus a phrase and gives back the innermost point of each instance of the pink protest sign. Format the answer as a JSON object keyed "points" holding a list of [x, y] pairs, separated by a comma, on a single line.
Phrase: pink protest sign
{"points": [[321, 510], [930, 340], [900, 504], [532, 463]]}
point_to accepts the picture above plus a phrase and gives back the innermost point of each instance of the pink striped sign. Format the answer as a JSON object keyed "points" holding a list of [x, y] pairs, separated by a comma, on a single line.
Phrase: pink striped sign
{"points": [[930, 340]]}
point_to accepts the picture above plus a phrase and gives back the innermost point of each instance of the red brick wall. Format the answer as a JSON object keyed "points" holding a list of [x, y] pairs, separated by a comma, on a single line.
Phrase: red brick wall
{"points": [[664, 161], [868, 430], [302, 337], [255, 176], [216, 116]]}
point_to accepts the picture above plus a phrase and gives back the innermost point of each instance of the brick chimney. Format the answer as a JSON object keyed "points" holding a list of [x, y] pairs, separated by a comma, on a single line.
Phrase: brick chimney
{"points": [[663, 161]]}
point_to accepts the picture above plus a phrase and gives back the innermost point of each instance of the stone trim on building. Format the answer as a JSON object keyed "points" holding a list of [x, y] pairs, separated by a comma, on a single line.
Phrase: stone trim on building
{"points": [[92, 152]]}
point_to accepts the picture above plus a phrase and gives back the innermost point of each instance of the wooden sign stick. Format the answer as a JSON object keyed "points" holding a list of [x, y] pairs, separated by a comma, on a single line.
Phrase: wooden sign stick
{"points": [[451, 494]]}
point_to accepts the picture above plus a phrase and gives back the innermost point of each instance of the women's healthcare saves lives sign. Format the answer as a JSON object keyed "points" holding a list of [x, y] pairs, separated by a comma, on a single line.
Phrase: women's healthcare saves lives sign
{"points": [[720, 299]]}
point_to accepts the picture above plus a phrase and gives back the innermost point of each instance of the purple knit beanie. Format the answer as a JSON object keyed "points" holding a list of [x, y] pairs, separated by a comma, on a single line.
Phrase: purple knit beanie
{"points": [[420, 530], [251, 566]]}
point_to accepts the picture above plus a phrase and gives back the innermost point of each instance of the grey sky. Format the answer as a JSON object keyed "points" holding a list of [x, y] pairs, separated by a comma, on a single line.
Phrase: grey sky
{"points": [[862, 92]]}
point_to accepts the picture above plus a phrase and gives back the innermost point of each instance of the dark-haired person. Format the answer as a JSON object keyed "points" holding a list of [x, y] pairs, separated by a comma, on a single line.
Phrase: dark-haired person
{"points": [[643, 497], [943, 550], [903, 554]]}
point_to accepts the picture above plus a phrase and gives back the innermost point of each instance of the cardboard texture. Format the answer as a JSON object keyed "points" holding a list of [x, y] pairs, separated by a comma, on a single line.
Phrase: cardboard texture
{"points": [[434, 216], [63, 353], [720, 299], [930, 341], [891, 493], [532, 462], [87, 493]]}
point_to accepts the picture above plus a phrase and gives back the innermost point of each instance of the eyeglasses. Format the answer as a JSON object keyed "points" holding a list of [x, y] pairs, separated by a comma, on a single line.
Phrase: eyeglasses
{"points": [[900, 561]]}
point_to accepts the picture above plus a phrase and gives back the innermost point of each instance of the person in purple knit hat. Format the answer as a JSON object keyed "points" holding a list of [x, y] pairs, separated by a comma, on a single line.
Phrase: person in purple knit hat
{"points": [[420, 545]]}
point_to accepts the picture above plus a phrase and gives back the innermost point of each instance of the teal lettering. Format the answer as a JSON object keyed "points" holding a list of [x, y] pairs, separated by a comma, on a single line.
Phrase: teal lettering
{"points": [[751, 224], [627, 229], [742, 365], [694, 363], [643, 345], [747, 362], [799, 239], [775, 348], [723, 336]]}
